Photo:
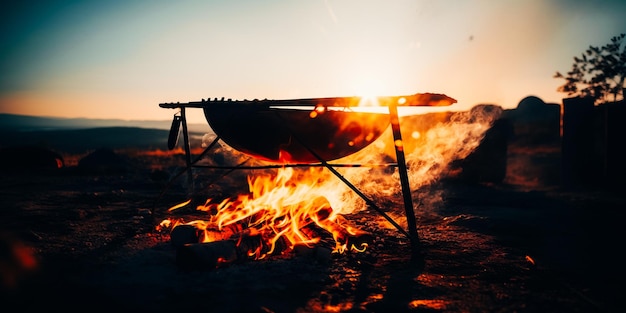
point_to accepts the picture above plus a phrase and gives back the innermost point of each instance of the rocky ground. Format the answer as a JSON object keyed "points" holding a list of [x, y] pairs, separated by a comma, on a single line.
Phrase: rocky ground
{"points": [[79, 241]]}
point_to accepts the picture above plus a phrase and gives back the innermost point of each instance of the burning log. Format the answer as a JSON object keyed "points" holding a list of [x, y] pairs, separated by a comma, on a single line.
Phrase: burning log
{"points": [[319, 253], [207, 255], [245, 228], [197, 232], [211, 255], [184, 234], [236, 244], [345, 237]]}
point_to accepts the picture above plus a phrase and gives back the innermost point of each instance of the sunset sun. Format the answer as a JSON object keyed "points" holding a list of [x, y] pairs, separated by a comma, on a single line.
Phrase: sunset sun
{"points": [[368, 89]]}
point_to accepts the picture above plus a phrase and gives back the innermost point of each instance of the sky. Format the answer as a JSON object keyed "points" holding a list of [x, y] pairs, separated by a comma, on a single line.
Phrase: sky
{"points": [[120, 59]]}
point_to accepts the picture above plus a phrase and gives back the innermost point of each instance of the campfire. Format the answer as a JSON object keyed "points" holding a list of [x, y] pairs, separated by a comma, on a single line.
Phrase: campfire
{"points": [[283, 212], [294, 210]]}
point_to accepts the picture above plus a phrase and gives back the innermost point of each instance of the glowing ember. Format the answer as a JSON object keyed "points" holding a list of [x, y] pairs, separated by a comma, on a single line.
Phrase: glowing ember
{"points": [[428, 304]]}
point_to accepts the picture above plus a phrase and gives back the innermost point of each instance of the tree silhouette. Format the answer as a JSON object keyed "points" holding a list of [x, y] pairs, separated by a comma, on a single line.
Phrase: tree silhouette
{"points": [[599, 71]]}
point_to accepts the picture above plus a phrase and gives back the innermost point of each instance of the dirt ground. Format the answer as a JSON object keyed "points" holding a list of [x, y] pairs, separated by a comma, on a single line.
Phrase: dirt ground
{"points": [[86, 242]]}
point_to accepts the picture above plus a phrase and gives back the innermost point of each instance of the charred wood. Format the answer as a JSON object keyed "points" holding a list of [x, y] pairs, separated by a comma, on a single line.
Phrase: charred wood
{"points": [[184, 234], [211, 255], [207, 255]]}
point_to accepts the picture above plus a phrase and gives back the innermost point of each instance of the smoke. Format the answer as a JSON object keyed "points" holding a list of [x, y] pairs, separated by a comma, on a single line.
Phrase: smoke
{"points": [[432, 142]]}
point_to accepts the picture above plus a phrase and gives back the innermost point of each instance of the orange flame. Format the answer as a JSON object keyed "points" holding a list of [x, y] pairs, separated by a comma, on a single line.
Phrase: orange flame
{"points": [[283, 207]]}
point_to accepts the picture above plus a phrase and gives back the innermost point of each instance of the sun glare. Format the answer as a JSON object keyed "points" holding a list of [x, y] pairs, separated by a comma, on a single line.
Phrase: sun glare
{"points": [[369, 89], [368, 101]]}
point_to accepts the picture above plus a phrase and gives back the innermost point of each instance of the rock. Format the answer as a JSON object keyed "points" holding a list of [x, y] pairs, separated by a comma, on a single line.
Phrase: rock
{"points": [[33, 158], [103, 162]]}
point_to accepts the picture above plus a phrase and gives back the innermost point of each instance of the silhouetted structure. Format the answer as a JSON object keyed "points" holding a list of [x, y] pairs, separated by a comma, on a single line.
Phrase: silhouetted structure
{"points": [[535, 122], [592, 138], [534, 153], [578, 139], [613, 117], [488, 162]]}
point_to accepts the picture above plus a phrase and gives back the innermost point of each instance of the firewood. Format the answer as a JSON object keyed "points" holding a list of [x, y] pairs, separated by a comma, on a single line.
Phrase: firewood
{"points": [[184, 234], [207, 255], [210, 255], [316, 252], [323, 255]]}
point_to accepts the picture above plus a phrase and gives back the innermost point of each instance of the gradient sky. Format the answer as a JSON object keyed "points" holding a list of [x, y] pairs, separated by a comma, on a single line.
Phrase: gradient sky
{"points": [[120, 59]]}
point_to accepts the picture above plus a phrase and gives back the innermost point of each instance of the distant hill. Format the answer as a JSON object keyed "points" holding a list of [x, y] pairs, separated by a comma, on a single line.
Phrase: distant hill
{"points": [[78, 141], [15, 122], [78, 135]]}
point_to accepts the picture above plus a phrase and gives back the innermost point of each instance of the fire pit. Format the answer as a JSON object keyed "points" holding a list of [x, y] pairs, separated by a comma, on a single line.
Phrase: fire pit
{"points": [[277, 135], [308, 132]]}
